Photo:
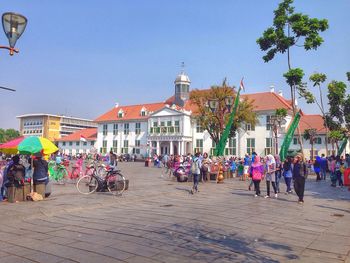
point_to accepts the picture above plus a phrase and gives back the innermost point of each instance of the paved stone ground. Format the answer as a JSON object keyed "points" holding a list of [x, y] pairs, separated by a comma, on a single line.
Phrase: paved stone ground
{"points": [[157, 220]]}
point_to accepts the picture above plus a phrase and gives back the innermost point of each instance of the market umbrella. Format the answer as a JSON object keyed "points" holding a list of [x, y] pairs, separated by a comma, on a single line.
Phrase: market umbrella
{"points": [[11, 147], [32, 145]]}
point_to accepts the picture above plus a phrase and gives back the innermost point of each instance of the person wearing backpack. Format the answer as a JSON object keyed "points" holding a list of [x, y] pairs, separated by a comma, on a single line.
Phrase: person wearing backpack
{"points": [[257, 172], [299, 175], [195, 170]]}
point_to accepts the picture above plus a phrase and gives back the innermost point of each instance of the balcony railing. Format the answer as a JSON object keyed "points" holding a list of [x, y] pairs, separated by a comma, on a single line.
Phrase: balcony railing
{"points": [[165, 130]]}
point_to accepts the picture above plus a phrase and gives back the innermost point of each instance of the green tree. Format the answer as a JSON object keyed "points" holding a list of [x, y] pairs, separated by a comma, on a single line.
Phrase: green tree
{"points": [[215, 122], [7, 135], [291, 29], [277, 120], [317, 79]]}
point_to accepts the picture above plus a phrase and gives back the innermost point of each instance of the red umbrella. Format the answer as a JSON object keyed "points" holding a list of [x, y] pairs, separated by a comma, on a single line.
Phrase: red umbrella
{"points": [[11, 147]]}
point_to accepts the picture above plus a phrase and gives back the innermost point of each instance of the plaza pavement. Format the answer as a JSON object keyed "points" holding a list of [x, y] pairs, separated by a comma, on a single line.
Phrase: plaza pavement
{"points": [[157, 220]]}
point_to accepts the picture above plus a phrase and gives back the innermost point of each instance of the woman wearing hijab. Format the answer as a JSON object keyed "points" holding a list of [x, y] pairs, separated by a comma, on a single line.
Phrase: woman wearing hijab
{"points": [[270, 175], [257, 172]]}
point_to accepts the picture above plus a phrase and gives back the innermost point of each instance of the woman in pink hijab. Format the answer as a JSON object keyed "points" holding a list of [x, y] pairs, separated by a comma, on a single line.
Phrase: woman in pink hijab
{"points": [[257, 172]]}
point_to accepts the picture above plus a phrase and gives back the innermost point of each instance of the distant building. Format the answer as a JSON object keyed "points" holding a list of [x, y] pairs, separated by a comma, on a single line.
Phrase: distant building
{"points": [[170, 127], [82, 141], [51, 126]]}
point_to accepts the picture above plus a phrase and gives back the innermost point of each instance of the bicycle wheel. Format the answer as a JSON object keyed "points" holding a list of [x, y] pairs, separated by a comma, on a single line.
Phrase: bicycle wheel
{"points": [[116, 183], [87, 184]]}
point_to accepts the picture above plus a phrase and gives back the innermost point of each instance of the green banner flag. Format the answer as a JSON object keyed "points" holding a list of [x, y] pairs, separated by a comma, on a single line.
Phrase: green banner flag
{"points": [[219, 151], [342, 146], [289, 136]]}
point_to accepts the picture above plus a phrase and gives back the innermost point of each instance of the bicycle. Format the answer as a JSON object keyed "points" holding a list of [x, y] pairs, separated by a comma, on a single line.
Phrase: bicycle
{"points": [[58, 172], [91, 182]]}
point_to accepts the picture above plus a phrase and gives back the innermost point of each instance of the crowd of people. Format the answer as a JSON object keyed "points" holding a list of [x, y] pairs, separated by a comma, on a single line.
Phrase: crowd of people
{"points": [[255, 169], [252, 168]]}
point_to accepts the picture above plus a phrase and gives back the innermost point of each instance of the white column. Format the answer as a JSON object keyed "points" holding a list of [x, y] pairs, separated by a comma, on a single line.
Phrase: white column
{"points": [[158, 147], [171, 147]]}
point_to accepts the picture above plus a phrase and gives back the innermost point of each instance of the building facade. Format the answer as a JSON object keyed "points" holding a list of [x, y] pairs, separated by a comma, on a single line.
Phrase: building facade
{"points": [[170, 127], [79, 142], [52, 126]]}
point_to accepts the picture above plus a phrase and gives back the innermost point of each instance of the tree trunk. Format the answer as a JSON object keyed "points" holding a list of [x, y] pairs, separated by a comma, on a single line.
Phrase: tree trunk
{"points": [[292, 91], [324, 118]]}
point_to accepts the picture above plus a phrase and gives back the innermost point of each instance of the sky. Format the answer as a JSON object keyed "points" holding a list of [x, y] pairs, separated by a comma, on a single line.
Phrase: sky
{"points": [[80, 57]]}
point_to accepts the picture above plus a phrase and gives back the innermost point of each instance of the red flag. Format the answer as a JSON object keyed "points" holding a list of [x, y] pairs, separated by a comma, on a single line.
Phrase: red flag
{"points": [[241, 86]]}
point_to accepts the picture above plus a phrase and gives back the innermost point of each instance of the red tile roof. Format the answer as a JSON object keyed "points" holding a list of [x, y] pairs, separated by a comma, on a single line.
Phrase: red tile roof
{"points": [[131, 112], [312, 121], [268, 101], [90, 134]]}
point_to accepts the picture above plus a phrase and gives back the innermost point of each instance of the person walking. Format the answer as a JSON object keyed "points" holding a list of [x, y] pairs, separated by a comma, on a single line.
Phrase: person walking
{"points": [[299, 174], [287, 173], [333, 176], [317, 167], [338, 173], [196, 171], [257, 171], [278, 172], [270, 175], [323, 167]]}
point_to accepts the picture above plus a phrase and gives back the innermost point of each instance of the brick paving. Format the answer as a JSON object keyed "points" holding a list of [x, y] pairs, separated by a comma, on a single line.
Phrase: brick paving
{"points": [[157, 220]]}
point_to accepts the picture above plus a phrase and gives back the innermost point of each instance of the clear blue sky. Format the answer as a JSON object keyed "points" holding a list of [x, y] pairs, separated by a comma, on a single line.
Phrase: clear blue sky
{"points": [[80, 57]]}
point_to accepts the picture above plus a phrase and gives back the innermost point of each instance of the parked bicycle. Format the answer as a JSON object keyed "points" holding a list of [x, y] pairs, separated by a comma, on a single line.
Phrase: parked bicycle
{"points": [[57, 172], [91, 182]]}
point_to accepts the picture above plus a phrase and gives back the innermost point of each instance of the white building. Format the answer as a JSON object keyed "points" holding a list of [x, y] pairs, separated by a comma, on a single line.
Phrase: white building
{"points": [[170, 126], [82, 141]]}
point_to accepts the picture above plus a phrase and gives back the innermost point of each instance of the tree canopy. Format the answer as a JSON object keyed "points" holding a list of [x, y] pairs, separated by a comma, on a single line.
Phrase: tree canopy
{"points": [[215, 122], [8, 134]]}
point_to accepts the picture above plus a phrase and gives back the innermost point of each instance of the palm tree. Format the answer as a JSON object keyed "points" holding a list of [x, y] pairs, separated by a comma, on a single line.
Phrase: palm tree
{"points": [[309, 134]]}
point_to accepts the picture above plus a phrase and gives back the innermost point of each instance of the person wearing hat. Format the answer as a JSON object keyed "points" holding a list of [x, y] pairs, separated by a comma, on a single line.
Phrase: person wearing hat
{"points": [[299, 173]]}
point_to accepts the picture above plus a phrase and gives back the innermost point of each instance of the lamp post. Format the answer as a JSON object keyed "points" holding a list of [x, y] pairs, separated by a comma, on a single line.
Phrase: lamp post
{"points": [[14, 26], [275, 122]]}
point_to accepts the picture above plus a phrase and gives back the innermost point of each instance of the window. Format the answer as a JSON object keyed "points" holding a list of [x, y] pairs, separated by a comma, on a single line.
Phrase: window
{"points": [[231, 150], [92, 143], [155, 124], [126, 128], [70, 143], [213, 147], [104, 131], [84, 143], [199, 128], [77, 143], [162, 124], [199, 146], [63, 143], [137, 128], [115, 128], [137, 147], [104, 147], [115, 146], [143, 113], [295, 141], [268, 125], [268, 146], [250, 145], [249, 127], [318, 140], [177, 126], [125, 148], [120, 113]]}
